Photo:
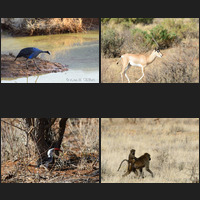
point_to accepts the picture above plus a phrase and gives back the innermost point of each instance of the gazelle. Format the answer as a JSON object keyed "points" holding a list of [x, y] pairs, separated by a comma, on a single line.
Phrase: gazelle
{"points": [[138, 60]]}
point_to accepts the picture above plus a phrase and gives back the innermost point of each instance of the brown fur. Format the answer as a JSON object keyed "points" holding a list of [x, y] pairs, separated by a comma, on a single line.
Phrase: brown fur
{"points": [[131, 160], [140, 163]]}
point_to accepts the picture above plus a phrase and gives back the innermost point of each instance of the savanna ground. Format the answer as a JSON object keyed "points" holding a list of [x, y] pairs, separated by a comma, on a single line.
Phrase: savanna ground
{"points": [[173, 144], [178, 39], [80, 147]]}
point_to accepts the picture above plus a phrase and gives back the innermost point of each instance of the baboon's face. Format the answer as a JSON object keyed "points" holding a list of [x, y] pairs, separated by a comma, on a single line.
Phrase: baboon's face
{"points": [[132, 151], [147, 156]]}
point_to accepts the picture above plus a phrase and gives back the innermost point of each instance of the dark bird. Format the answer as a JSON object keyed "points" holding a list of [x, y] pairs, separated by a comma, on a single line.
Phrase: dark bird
{"points": [[49, 159], [30, 53]]}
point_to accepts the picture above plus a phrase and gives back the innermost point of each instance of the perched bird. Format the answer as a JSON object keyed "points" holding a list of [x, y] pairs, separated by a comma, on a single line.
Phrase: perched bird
{"points": [[30, 53], [49, 159]]}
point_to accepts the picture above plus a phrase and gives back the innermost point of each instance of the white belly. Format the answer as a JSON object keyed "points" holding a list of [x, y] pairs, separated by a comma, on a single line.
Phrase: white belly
{"points": [[135, 64]]}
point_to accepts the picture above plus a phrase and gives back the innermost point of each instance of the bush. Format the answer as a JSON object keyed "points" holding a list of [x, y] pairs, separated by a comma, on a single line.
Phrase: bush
{"points": [[111, 43], [128, 20], [164, 38], [181, 28], [180, 67], [141, 40], [142, 20], [105, 20]]}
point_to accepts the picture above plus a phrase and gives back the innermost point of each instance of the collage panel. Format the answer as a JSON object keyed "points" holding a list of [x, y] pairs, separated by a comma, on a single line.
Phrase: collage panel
{"points": [[49, 50], [49, 150], [149, 50], [150, 150]]}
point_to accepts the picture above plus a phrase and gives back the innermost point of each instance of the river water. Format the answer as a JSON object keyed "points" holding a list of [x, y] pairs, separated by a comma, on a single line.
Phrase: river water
{"points": [[79, 51]]}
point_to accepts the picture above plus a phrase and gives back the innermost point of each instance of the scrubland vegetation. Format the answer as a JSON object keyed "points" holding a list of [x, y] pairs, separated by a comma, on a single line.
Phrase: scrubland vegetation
{"points": [[80, 146], [45, 26], [173, 144], [178, 39]]}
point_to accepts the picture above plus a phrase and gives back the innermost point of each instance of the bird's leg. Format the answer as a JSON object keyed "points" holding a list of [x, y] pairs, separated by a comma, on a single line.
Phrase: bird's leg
{"points": [[27, 63], [36, 65]]}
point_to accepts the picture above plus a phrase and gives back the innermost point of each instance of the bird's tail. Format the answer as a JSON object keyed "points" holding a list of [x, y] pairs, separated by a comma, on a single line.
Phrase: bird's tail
{"points": [[15, 58]]}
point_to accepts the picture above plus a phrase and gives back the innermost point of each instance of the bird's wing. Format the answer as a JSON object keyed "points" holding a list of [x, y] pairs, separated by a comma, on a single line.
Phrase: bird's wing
{"points": [[35, 53]]}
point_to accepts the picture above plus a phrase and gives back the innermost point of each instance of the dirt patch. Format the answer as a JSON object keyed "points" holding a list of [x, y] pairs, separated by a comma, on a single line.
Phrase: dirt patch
{"points": [[21, 172], [12, 69]]}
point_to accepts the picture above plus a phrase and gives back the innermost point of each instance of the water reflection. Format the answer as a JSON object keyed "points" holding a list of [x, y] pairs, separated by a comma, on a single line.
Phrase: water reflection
{"points": [[80, 51]]}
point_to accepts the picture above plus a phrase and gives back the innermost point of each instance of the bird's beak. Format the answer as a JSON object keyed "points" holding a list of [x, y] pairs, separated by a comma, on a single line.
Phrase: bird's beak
{"points": [[57, 149]]}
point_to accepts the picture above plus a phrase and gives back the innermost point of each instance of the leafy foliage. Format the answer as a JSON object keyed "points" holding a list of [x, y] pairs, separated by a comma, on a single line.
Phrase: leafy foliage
{"points": [[111, 43], [128, 20], [163, 37]]}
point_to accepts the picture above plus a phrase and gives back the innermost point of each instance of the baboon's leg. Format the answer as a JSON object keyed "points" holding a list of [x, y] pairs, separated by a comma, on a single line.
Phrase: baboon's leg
{"points": [[141, 173], [127, 173], [135, 172], [147, 168]]}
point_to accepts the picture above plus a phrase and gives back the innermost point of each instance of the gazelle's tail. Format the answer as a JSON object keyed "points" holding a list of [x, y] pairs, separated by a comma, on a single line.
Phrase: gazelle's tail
{"points": [[118, 60]]}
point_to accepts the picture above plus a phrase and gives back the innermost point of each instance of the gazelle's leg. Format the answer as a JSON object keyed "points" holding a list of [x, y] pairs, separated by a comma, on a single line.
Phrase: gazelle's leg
{"points": [[142, 74], [126, 71], [122, 74]]}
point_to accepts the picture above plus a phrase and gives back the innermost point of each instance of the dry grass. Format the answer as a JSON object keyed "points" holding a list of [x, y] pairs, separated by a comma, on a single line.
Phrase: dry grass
{"points": [[53, 25], [172, 143], [40, 26], [80, 142], [178, 65]]}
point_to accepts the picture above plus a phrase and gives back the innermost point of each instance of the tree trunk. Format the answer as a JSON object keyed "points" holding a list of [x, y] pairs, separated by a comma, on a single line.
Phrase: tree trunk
{"points": [[43, 135]]}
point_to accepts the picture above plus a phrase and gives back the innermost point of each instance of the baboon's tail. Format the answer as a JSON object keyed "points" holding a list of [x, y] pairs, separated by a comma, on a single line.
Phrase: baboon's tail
{"points": [[118, 60], [121, 163]]}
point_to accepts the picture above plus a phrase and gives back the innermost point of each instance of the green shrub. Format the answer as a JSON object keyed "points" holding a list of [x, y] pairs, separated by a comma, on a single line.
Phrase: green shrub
{"points": [[164, 38], [141, 20], [105, 20], [141, 39], [181, 28], [111, 43], [128, 20]]}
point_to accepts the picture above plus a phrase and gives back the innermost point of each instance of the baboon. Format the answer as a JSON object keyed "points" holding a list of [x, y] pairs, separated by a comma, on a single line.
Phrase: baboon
{"points": [[140, 163], [131, 160]]}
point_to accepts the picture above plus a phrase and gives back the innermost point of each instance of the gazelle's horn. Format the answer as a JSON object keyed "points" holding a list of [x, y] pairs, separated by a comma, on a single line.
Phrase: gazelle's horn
{"points": [[154, 40]]}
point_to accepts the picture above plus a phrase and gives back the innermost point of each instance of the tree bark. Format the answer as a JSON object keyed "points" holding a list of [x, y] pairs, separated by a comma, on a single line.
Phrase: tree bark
{"points": [[43, 135]]}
